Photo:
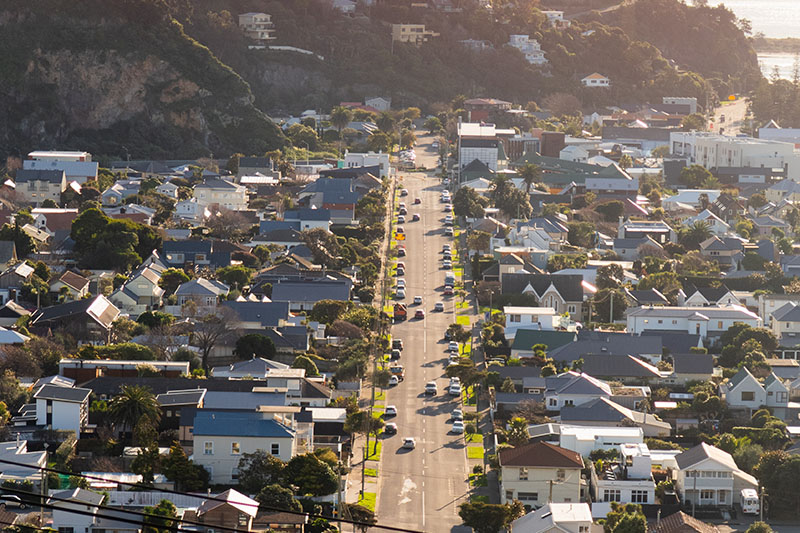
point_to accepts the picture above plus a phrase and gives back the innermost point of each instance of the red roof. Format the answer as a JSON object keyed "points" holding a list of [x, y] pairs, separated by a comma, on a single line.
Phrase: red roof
{"points": [[540, 454]]}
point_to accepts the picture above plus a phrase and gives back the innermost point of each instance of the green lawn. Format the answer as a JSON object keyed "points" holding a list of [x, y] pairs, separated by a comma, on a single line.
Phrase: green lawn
{"points": [[375, 453], [475, 438], [463, 320], [476, 480], [380, 395], [459, 272], [469, 396], [462, 305], [475, 452], [373, 472], [367, 499], [476, 498]]}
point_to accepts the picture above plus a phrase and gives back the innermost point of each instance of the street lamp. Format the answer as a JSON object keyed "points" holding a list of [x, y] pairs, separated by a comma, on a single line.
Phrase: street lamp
{"points": [[307, 151]]}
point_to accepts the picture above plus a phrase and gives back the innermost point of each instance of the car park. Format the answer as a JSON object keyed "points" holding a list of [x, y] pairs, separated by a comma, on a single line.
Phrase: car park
{"points": [[415, 217], [430, 387], [420, 314], [417, 300], [394, 380], [438, 306], [390, 428], [457, 427], [391, 410], [409, 443], [458, 414]]}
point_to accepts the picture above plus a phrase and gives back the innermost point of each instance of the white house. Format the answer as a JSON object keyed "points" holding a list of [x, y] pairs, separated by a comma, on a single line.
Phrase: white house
{"points": [[379, 102], [708, 322], [81, 500], [584, 439], [708, 297], [477, 140], [62, 408], [709, 476], [785, 323], [221, 437], [555, 518], [574, 152], [257, 26], [596, 80], [744, 391], [309, 218], [715, 224], [573, 389], [530, 48], [630, 480], [541, 318], [221, 192], [368, 159], [692, 197], [168, 189], [540, 473]]}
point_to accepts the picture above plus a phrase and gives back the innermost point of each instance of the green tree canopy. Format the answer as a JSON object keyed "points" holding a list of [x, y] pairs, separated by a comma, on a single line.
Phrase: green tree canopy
{"points": [[275, 496], [488, 517], [259, 469], [102, 242], [254, 345], [171, 279], [311, 475], [133, 404], [303, 361], [237, 276]]}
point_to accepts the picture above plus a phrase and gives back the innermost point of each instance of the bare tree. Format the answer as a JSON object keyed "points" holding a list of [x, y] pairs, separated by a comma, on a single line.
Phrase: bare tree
{"points": [[212, 329]]}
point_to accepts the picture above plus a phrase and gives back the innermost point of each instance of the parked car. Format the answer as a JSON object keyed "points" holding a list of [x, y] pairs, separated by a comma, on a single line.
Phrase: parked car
{"points": [[453, 346], [417, 300], [415, 217], [447, 264], [400, 284], [409, 443], [403, 192], [401, 219], [417, 200], [401, 251], [447, 335], [420, 314], [458, 427], [458, 414], [448, 231], [448, 290], [12, 500], [454, 389], [395, 354], [394, 380], [400, 272], [390, 428], [399, 294], [438, 306], [399, 230], [402, 211], [397, 344], [390, 410], [430, 387]]}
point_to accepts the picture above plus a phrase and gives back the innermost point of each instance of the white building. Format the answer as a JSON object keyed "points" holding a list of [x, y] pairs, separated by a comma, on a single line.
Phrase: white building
{"points": [[691, 101], [541, 318], [556, 18], [691, 197], [584, 439], [81, 500], [709, 476], [221, 192], [708, 322], [77, 166], [530, 48], [257, 26], [369, 159], [555, 518], [62, 408], [596, 80], [628, 481], [773, 132], [480, 141]]}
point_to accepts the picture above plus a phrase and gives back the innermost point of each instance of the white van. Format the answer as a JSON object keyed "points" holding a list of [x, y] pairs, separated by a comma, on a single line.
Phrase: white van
{"points": [[749, 501], [449, 279]]}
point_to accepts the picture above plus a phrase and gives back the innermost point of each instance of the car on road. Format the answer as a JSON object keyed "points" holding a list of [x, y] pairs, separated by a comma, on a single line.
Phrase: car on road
{"points": [[415, 217], [454, 389], [409, 443], [12, 500], [455, 381], [397, 344], [448, 220], [401, 251], [457, 427], [390, 428], [403, 192], [391, 410], [401, 219], [400, 272], [400, 283], [452, 346], [417, 200], [446, 249], [394, 380], [447, 264], [399, 230], [417, 300], [430, 387], [438, 306], [448, 208], [395, 354], [448, 231], [402, 211], [420, 314], [448, 290], [458, 414]]}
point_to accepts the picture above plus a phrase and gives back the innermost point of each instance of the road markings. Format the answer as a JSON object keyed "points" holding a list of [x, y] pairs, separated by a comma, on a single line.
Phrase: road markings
{"points": [[408, 486], [423, 507]]}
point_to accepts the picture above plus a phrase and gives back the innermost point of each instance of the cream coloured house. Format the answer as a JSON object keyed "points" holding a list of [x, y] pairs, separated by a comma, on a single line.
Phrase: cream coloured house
{"points": [[540, 473], [709, 476], [221, 192]]}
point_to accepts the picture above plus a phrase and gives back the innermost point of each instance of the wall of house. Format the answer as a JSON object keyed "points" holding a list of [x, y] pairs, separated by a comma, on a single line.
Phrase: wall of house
{"points": [[539, 484], [222, 460], [63, 518], [708, 488], [65, 415]]}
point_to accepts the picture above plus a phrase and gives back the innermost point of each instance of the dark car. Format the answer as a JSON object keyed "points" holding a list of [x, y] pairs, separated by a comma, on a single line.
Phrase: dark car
{"points": [[12, 500], [390, 428], [397, 344]]}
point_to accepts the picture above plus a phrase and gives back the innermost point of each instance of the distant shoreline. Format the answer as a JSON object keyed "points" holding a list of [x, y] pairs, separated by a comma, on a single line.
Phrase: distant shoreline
{"points": [[766, 45]]}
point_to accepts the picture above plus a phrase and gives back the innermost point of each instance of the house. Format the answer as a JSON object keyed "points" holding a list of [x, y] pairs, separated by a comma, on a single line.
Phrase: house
{"points": [[595, 80], [257, 26], [714, 223], [15, 276], [221, 437], [659, 231], [525, 339], [729, 208], [204, 293], [85, 502], [303, 295], [281, 521], [562, 293], [707, 297], [82, 370], [540, 473], [368, 159], [744, 391], [87, 321], [61, 408], [708, 322], [530, 48], [607, 343], [584, 439], [222, 193], [141, 292], [379, 102], [308, 219], [602, 411], [628, 480], [256, 368], [624, 368], [726, 251], [77, 166], [415, 34], [636, 248], [259, 315], [681, 522], [28, 464], [556, 517], [11, 312], [168, 189], [541, 318], [481, 141], [696, 198], [638, 298], [571, 388], [690, 367], [708, 476], [230, 508], [120, 190], [194, 252], [785, 324], [786, 189], [70, 285], [36, 186]]}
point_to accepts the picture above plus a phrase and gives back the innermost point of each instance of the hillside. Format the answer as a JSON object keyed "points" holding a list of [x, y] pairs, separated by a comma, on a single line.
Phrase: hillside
{"points": [[119, 77]]}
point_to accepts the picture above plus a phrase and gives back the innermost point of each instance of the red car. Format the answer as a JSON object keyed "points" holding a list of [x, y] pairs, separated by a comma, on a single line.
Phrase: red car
{"points": [[448, 291], [418, 200], [419, 314]]}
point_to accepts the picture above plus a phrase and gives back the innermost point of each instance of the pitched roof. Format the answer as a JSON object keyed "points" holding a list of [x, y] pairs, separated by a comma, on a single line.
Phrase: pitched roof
{"points": [[269, 314], [693, 363], [65, 394], [181, 397], [540, 454], [25, 175], [737, 378], [602, 343], [230, 497], [73, 280], [98, 308], [700, 453], [239, 424], [648, 296], [547, 518], [524, 339], [568, 286], [78, 495], [202, 286], [8, 251], [310, 291], [681, 522], [574, 383], [790, 312], [618, 366]]}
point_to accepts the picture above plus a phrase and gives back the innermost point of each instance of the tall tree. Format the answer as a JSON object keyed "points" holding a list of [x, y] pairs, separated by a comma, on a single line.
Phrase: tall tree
{"points": [[530, 174], [134, 404], [209, 330], [488, 517], [259, 469], [254, 345], [161, 518], [311, 475], [341, 117]]}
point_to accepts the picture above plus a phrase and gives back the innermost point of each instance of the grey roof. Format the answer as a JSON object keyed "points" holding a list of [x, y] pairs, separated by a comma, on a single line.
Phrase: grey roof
{"points": [[281, 235], [574, 383], [524, 339], [189, 245], [693, 363], [7, 251], [202, 286], [256, 367], [618, 366], [701, 452], [64, 394], [269, 314], [632, 243], [216, 183], [605, 344], [790, 312], [266, 226], [78, 495], [111, 386], [242, 400], [183, 397], [310, 291], [711, 294], [648, 296], [679, 342], [516, 373], [740, 376], [99, 309], [568, 286], [717, 244], [27, 175], [307, 214]]}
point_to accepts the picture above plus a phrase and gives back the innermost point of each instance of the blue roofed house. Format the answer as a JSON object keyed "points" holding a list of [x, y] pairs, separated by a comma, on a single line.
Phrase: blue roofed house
{"points": [[221, 437], [303, 295]]}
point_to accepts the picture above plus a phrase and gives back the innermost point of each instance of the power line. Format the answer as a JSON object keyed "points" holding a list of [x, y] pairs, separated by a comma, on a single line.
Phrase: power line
{"points": [[210, 498]]}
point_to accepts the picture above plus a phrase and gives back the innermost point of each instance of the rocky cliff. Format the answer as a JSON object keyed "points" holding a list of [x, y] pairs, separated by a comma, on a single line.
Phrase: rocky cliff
{"points": [[119, 77]]}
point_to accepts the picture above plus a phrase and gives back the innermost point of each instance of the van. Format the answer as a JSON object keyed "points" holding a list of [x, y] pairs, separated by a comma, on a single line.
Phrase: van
{"points": [[449, 279], [430, 387], [748, 498]]}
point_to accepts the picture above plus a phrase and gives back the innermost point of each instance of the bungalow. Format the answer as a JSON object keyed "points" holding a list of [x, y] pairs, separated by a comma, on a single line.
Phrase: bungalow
{"points": [[595, 80], [87, 321], [726, 251], [624, 368], [541, 318], [697, 198], [636, 248], [708, 322], [225, 509], [690, 367], [714, 223], [70, 285], [204, 293], [744, 391], [708, 476]]}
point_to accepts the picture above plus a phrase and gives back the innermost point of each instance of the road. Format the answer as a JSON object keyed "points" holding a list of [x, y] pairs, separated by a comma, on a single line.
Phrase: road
{"points": [[734, 112], [421, 488]]}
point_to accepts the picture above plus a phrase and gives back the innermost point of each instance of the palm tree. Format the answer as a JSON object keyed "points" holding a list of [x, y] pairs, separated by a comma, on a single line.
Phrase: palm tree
{"points": [[341, 117], [696, 233], [133, 405], [530, 175], [386, 122]]}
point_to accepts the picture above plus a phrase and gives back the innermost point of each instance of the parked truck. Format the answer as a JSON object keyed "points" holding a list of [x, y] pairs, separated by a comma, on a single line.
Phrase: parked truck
{"points": [[749, 501], [400, 312], [399, 371]]}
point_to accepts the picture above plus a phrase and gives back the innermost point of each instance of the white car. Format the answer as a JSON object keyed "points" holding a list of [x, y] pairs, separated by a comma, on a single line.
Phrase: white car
{"points": [[438, 306], [453, 390], [430, 387], [401, 219], [448, 231], [401, 284], [458, 414], [391, 410], [400, 294], [417, 300], [455, 381], [458, 427], [409, 443], [394, 380], [447, 264], [452, 346]]}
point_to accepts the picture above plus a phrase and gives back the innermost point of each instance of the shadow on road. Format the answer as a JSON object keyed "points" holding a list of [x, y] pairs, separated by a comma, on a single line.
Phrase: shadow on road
{"points": [[403, 451]]}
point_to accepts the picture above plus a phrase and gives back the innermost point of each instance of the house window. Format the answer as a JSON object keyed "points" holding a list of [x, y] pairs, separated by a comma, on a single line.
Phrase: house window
{"points": [[569, 403], [611, 495], [719, 324], [276, 449], [583, 529], [242, 519], [706, 494], [639, 496], [553, 402], [66, 530], [748, 396], [235, 473], [723, 496], [235, 448], [515, 318], [782, 396], [528, 496], [523, 474], [572, 309], [199, 257], [509, 495], [560, 475], [674, 322], [208, 448]]}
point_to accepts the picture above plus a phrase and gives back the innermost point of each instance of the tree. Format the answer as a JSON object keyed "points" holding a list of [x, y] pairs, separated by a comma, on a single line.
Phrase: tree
{"points": [[22, 241], [695, 121], [407, 139], [379, 142], [563, 104], [276, 497], [581, 234], [778, 472], [479, 241], [254, 345], [468, 203], [433, 125], [518, 431], [133, 405], [102, 242], [530, 174], [187, 475], [489, 517], [259, 469], [162, 518], [237, 276], [695, 176], [328, 311], [627, 518], [609, 276], [611, 211], [341, 117], [759, 527], [311, 475], [386, 121], [602, 304], [625, 161], [303, 361], [171, 279]]}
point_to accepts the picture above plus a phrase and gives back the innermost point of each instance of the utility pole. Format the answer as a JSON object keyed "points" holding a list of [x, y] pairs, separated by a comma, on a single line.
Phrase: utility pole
{"points": [[611, 311], [43, 488], [761, 504]]}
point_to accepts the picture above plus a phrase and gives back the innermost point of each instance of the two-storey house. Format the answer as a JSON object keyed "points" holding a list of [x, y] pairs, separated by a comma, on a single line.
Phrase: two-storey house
{"points": [[709, 476], [62, 408], [203, 293], [536, 318], [540, 473], [629, 480], [36, 186], [221, 192]]}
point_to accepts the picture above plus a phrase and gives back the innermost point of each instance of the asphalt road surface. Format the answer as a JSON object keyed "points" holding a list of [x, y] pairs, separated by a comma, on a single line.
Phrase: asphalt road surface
{"points": [[422, 488]]}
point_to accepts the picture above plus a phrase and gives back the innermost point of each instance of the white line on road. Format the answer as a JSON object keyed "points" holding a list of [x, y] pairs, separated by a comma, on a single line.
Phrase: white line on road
{"points": [[423, 507]]}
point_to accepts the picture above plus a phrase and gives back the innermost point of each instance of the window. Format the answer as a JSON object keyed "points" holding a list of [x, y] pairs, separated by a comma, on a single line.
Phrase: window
{"points": [[706, 494], [639, 496], [560, 474], [528, 496], [572, 309], [235, 448], [235, 473], [569, 403], [515, 318], [242, 519], [509, 495], [674, 322], [748, 396], [611, 495], [583, 529], [199, 257], [65, 530], [523, 474], [276, 449], [719, 324], [208, 448], [553, 402]]}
